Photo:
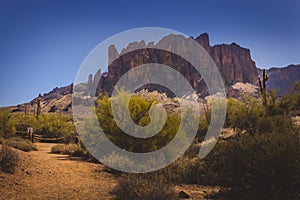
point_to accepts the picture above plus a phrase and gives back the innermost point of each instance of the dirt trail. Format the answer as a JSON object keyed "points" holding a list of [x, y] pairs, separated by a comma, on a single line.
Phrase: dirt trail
{"points": [[42, 175]]}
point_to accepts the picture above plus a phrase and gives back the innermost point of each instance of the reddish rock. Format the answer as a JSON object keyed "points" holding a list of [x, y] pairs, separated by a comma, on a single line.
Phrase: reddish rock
{"points": [[234, 62]]}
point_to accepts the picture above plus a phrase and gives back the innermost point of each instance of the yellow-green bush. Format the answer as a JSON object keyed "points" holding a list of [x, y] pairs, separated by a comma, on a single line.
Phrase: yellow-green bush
{"points": [[55, 125], [7, 128], [48, 125], [22, 121], [139, 112]]}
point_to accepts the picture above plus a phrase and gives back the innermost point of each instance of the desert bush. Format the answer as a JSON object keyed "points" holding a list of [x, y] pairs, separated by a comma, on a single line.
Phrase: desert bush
{"points": [[55, 126], [275, 124], [184, 170], [139, 113], [263, 166], [22, 121], [66, 149], [7, 128], [295, 93], [244, 114], [50, 125], [72, 150], [144, 186], [8, 159], [21, 144]]}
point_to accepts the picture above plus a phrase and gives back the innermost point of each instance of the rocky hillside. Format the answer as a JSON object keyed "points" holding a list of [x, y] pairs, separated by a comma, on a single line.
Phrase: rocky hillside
{"points": [[57, 100], [234, 62], [284, 78]]}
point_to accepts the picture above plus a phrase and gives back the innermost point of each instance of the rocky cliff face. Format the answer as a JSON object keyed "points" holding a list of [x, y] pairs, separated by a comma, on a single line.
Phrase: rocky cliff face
{"points": [[234, 62], [283, 79]]}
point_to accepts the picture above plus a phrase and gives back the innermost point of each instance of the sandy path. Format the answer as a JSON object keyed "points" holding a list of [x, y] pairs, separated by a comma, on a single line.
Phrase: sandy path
{"points": [[42, 175]]}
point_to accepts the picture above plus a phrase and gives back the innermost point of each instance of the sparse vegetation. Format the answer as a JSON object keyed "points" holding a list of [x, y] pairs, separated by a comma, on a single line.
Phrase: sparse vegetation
{"points": [[72, 150], [48, 125], [185, 170], [7, 128], [244, 114], [262, 163], [256, 167], [8, 159], [19, 143], [144, 186]]}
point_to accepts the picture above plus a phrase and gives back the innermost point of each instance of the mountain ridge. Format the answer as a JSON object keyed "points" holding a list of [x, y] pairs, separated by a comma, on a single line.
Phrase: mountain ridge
{"points": [[233, 61], [282, 78]]}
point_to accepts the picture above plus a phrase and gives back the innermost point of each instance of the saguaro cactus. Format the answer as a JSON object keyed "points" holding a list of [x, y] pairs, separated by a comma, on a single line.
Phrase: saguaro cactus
{"points": [[25, 109], [263, 86], [38, 109]]}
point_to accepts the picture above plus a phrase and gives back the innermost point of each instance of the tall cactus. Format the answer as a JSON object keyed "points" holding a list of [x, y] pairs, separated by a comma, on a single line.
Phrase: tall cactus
{"points": [[25, 109], [38, 109], [263, 86]]}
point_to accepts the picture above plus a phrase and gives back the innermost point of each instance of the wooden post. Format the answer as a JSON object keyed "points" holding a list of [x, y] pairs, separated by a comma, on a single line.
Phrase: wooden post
{"points": [[29, 132]]}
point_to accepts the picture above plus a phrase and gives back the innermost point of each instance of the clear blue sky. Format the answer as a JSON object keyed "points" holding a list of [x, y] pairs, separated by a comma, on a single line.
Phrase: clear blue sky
{"points": [[43, 42]]}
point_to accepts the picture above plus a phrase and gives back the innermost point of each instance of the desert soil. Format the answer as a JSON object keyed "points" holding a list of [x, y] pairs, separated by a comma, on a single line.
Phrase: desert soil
{"points": [[42, 175]]}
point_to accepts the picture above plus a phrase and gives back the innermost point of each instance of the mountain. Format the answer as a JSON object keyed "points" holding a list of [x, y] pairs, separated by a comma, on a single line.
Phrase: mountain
{"points": [[283, 78], [57, 100], [234, 63]]}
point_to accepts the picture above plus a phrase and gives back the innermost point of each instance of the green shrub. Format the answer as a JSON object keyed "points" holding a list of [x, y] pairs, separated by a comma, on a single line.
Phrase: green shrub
{"points": [[263, 166], [8, 159], [7, 128], [49, 125], [55, 126], [275, 124], [144, 186], [22, 121], [244, 114], [21, 144], [139, 112]]}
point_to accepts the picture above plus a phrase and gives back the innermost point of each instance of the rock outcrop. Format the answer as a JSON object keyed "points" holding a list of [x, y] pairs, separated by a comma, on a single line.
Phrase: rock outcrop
{"points": [[234, 63]]}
